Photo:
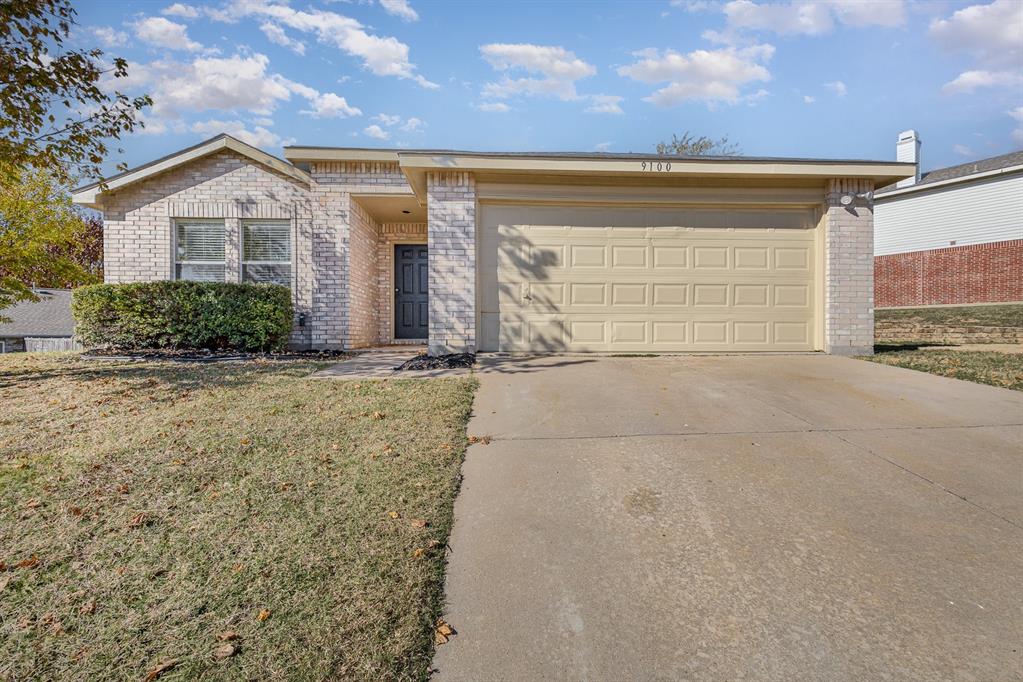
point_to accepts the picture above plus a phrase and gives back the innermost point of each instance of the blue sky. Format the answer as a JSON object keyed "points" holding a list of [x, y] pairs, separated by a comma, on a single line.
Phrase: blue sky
{"points": [[819, 78]]}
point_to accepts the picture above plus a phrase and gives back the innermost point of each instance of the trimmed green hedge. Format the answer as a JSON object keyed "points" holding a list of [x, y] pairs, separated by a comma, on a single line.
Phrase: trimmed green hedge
{"points": [[191, 315]]}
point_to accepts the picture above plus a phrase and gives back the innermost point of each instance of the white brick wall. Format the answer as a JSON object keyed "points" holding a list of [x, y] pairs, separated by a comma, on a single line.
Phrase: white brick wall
{"points": [[849, 270], [451, 215]]}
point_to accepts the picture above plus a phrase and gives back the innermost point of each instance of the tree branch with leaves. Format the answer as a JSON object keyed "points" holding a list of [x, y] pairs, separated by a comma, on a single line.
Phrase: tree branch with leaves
{"points": [[690, 145]]}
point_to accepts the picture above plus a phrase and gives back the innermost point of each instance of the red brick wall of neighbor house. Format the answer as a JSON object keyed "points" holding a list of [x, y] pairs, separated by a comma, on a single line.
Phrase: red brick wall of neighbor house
{"points": [[978, 273]]}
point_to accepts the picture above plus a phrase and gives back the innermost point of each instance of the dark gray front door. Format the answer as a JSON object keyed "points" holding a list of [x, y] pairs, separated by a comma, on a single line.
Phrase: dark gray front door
{"points": [[411, 284]]}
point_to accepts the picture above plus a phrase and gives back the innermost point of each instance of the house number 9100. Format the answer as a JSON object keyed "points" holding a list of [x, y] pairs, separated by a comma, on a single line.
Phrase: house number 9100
{"points": [[662, 166]]}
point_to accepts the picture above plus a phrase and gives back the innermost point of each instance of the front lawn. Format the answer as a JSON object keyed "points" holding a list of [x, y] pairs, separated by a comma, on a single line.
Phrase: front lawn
{"points": [[997, 369], [223, 521], [1010, 315]]}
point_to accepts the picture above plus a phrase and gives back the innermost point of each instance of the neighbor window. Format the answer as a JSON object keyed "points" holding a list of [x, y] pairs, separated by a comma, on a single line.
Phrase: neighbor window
{"points": [[199, 255], [266, 252]]}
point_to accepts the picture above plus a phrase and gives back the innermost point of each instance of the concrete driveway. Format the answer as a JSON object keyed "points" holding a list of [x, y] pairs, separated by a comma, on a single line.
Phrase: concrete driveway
{"points": [[736, 517]]}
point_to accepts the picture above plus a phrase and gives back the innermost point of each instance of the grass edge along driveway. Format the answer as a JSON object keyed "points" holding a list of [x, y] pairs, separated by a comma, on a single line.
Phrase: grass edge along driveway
{"points": [[222, 521]]}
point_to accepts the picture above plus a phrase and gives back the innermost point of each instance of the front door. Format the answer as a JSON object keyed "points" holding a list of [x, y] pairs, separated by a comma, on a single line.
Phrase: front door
{"points": [[411, 284]]}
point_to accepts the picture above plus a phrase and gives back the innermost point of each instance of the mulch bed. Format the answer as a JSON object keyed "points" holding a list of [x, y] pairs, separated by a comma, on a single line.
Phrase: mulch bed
{"points": [[202, 355], [424, 361]]}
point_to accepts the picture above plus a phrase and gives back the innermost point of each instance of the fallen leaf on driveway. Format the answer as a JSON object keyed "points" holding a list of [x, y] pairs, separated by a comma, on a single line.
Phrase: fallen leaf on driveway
{"points": [[160, 669], [442, 632], [482, 440]]}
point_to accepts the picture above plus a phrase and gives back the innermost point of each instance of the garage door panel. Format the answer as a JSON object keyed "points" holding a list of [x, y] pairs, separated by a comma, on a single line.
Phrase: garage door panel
{"points": [[573, 282]]}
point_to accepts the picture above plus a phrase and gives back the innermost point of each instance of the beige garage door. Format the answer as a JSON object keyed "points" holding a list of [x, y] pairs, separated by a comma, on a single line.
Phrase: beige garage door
{"points": [[638, 279]]}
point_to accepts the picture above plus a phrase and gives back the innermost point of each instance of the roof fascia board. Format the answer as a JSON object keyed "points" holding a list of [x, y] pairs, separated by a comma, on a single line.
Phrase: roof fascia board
{"points": [[89, 196], [334, 154], [951, 181]]}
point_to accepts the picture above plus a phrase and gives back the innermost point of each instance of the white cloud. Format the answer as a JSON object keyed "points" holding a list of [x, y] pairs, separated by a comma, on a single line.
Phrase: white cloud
{"points": [[498, 107], [1017, 115], [962, 150], [382, 56], [692, 5], [182, 10], [257, 136], [330, 105], [602, 146], [162, 32], [837, 87], [968, 81], [376, 132], [276, 35], [387, 119], [819, 17], [400, 8], [605, 104], [109, 36], [807, 99], [711, 76], [992, 33], [413, 125], [236, 84], [554, 70]]}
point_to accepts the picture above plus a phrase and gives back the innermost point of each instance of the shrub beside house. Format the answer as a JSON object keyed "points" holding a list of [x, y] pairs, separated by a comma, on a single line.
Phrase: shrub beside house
{"points": [[184, 315]]}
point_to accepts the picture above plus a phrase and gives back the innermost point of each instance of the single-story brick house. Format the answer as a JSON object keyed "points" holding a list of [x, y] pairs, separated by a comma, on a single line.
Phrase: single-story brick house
{"points": [[952, 235], [515, 251]]}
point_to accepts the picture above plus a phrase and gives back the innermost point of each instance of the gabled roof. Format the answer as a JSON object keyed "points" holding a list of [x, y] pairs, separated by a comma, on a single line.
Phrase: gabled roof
{"points": [[88, 195], [49, 316], [964, 172]]}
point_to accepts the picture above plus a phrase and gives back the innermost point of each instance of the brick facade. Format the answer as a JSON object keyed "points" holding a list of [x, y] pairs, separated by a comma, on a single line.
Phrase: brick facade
{"points": [[848, 270], [451, 215], [978, 273], [342, 269]]}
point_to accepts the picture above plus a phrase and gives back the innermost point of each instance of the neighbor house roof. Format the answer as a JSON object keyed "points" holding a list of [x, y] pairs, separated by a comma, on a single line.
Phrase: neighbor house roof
{"points": [[49, 316], [996, 165], [88, 195], [416, 163]]}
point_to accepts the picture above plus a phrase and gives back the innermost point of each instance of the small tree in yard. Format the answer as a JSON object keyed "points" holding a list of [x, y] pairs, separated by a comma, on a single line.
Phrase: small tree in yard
{"points": [[688, 145], [56, 120]]}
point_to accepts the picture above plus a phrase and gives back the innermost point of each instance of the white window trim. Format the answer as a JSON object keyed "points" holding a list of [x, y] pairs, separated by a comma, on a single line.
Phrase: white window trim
{"points": [[290, 261], [174, 246]]}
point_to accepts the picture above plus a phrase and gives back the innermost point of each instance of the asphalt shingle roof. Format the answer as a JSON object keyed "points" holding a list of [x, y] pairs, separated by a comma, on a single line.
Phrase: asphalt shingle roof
{"points": [[964, 170], [49, 316]]}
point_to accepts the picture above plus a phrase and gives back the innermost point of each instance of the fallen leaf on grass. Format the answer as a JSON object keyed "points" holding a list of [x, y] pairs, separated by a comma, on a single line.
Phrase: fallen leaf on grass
{"points": [[432, 544], [245, 442], [442, 632], [263, 614], [88, 607], [33, 503], [225, 651], [227, 636], [394, 515], [419, 553], [378, 415], [31, 562], [160, 669], [418, 523], [138, 520]]}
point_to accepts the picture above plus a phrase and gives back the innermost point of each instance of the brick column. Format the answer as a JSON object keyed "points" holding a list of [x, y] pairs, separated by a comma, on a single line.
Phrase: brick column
{"points": [[330, 229], [849, 269], [451, 235], [232, 250]]}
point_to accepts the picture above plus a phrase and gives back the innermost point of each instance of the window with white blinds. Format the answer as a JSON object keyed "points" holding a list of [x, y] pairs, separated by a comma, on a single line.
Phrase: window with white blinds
{"points": [[199, 251], [266, 252]]}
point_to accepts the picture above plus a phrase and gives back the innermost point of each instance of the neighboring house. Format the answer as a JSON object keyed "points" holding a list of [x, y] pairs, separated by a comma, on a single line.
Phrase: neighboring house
{"points": [[515, 251], [950, 236], [42, 325]]}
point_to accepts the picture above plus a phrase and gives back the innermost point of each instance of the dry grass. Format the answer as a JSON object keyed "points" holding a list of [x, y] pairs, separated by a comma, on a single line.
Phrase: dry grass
{"points": [[996, 369], [147, 508], [1009, 315]]}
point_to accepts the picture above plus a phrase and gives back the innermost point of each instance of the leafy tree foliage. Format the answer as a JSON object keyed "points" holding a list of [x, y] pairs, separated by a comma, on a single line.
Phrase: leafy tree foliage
{"points": [[688, 145], [55, 111], [43, 238]]}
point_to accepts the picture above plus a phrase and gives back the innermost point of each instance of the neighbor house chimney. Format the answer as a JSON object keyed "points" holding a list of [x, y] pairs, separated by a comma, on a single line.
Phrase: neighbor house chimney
{"points": [[908, 150]]}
